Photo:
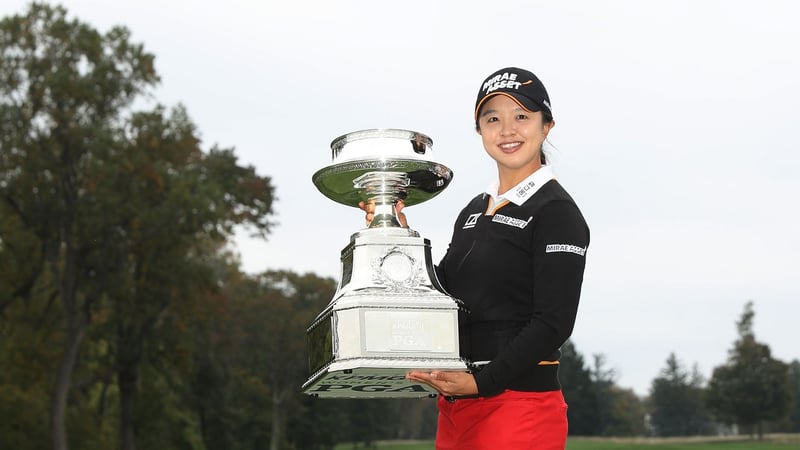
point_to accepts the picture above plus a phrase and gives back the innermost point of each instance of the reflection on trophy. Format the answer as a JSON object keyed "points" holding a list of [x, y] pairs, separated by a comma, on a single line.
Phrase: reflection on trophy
{"points": [[389, 315]]}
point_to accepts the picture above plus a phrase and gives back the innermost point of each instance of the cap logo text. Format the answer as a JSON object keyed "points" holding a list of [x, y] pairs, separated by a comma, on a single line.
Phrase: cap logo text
{"points": [[504, 81]]}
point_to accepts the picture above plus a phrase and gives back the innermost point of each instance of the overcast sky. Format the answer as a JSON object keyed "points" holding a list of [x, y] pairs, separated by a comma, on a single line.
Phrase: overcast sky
{"points": [[676, 133]]}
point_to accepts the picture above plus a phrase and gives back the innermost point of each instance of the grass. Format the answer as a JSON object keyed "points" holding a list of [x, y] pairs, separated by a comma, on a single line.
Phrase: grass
{"points": [[681, 444], [771, 442]]}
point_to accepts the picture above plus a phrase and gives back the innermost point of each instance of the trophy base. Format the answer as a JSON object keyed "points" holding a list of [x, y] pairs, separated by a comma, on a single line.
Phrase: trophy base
{"points": [[389, 316], [376, 378]]}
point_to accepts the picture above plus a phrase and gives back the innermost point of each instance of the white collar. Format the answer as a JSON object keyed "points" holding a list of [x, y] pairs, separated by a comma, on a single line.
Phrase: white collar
{"points": [[524, 189]]}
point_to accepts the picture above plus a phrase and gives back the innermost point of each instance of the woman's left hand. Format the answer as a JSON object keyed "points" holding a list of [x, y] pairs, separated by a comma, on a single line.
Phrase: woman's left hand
{"points": [[447, 383]]}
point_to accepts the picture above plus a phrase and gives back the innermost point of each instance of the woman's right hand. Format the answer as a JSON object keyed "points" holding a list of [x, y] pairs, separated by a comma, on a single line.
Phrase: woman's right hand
{"points": [[369, 208]]}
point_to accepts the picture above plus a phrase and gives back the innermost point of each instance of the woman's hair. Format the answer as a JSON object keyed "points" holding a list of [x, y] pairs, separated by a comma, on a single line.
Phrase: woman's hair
{"points": [[546, 118]]}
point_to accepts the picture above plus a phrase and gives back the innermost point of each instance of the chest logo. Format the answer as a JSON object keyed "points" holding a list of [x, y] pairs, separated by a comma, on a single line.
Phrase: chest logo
{"points": [[471, 221]]}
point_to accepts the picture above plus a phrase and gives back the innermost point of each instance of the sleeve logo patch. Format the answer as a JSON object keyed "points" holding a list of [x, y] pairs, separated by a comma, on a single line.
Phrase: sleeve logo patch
{"points": [[565, 248]]}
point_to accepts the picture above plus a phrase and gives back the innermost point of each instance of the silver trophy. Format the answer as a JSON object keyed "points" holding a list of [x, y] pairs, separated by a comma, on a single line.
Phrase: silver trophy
{"points": [[389, 315]]}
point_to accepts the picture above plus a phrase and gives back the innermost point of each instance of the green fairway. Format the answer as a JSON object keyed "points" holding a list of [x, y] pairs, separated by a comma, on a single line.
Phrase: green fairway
{"points": [[783, 442], [579, 444]]}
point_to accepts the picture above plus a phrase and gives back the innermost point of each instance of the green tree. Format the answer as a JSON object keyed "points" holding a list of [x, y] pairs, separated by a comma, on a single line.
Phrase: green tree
{"points": [[752, 387], [294, 300], [26, 335], [319, 425], [603, 379], [63, 86], [411, 418], [620, 412], [794, 410], [21, 256], [579, 392], [676, 402], [627, 413], [249, 360], [118, 211], [163, 177], [28, 338], [203, 363]]}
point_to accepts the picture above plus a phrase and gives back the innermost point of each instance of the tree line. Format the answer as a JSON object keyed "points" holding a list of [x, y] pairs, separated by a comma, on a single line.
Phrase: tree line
{"points": [[125, 320], [752, 393]]}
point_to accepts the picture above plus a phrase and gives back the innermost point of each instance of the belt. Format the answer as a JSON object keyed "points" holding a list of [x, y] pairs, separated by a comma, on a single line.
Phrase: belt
{"points": [[453, 398]]}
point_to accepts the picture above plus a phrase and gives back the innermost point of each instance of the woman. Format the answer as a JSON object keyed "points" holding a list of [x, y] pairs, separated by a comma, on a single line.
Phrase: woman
{"points": [[516, 260]]}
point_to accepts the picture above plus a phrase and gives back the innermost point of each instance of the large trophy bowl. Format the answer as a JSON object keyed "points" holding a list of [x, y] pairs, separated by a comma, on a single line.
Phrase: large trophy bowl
{"points": [[390, 315]]}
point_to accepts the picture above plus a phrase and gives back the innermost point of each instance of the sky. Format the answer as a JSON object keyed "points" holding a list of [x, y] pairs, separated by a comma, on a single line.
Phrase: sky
{"points": [[676, 134]]}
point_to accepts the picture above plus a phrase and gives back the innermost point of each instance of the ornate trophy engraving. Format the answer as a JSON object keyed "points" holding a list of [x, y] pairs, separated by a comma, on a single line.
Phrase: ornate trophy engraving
{"points": [[389, 315]]}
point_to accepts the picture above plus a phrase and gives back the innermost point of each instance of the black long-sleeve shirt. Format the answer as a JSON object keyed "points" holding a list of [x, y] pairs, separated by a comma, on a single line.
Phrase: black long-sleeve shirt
{"points": [[519, 270]]}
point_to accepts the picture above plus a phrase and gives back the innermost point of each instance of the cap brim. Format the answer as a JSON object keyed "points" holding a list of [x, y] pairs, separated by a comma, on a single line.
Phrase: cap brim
{"points": [[523, 101]]}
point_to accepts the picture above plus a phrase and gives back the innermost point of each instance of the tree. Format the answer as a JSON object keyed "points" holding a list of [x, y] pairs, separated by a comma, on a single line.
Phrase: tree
{"points": [[163, 177], [794, 412], [296, 300], [206, 372], [604, 380], [62, 88], [676, 402], [27, 336], [20, 257], [250, 359], [27, 343], [627, 414], [752, 387], [320, 425], [118, 208], [620, 411], [579, 392]]}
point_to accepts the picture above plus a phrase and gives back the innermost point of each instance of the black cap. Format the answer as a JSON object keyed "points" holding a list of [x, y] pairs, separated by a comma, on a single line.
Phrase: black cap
{"points": [[520, 85]]}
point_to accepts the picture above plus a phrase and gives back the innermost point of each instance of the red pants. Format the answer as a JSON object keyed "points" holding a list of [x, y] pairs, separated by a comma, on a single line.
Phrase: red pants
{"points": [[510, 421]]}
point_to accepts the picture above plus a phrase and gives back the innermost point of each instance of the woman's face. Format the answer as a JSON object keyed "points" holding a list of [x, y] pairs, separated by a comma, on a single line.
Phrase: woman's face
{"points": [[512, 136]]}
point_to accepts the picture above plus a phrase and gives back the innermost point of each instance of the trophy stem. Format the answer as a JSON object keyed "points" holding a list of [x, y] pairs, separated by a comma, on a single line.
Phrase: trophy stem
{"points": [[384, 188], [385, 214]]}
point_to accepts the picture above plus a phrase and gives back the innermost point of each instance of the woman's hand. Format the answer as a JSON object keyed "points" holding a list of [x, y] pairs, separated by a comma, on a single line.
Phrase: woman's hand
{"points": [[369, 208], [447, 383]]}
